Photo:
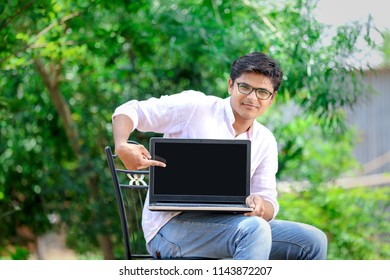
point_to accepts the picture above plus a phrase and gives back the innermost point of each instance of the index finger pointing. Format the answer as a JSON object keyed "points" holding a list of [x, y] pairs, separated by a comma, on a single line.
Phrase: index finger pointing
{"points": [[152, 162]]}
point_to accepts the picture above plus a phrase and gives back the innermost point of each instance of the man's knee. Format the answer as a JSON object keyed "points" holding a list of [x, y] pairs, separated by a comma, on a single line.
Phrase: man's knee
{"points": [[255, 223], [257, 228], [254, 239]]}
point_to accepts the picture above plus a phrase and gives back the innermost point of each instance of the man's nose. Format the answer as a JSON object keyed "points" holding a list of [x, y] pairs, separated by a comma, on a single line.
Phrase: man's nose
{"points": [[252, 95]]}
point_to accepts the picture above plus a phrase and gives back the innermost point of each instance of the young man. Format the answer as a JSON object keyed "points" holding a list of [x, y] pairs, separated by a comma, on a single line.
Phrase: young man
{"points": [[253, 84]]}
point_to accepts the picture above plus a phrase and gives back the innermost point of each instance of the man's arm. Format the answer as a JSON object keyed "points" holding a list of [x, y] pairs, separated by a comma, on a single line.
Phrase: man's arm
{"points": [[134, 157]]}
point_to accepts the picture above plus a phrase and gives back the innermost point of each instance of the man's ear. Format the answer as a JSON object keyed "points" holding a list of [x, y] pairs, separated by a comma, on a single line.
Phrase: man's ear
{"points": [[230, 86]]}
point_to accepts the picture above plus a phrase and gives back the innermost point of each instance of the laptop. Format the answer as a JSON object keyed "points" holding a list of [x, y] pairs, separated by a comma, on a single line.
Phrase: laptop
{"points": [[200, 175]]}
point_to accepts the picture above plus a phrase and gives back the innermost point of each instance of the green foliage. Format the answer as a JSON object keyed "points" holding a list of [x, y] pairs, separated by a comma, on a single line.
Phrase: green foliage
{"points": [[356, 221], [18, 253], [90, 56], [307, 151]]}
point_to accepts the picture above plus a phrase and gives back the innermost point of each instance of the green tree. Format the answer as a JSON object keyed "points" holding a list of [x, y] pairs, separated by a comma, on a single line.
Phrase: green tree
{"points": [[65, 65]]}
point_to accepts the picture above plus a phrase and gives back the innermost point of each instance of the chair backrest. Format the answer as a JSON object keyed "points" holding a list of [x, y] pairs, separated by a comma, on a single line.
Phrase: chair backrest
{"points": [[130, 188]]}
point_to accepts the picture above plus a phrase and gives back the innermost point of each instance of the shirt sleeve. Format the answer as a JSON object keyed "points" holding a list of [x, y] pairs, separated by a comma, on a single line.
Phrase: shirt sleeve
{"points": [[263, 181], [167, 114]]}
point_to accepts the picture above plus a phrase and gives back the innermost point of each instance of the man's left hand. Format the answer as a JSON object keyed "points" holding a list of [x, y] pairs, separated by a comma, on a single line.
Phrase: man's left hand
{"points": [[257, 203]]}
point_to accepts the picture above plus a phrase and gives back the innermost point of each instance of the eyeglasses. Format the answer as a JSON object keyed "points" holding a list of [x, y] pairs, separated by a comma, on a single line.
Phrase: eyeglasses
{"points": [[261, 93]]}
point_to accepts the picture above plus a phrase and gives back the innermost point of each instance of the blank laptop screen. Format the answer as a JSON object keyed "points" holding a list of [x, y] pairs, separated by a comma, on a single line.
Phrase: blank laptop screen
{"points": [[198, 168]]}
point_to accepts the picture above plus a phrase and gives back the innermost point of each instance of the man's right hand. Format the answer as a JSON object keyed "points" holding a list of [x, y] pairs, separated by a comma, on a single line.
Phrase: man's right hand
{"points": [[135, 157]]}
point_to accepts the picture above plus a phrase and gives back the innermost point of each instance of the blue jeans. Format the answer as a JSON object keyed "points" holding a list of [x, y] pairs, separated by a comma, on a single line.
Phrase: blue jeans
{"points": [[210, 235]]}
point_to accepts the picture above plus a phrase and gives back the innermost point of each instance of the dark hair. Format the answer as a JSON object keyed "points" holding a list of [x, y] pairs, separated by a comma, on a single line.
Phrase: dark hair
{"points": [[258, 63]]}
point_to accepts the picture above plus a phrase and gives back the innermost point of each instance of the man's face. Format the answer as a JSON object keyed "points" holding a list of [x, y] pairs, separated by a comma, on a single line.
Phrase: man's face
{"points": [[247, 107]]}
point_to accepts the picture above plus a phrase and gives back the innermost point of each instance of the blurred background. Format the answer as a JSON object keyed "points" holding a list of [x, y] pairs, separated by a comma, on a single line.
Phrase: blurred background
{"points": [[66, 65]]}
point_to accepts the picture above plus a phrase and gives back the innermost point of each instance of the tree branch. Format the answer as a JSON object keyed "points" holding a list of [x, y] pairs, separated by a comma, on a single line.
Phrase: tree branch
{"points": [[8, 20], [40, 34], [51, 80]]}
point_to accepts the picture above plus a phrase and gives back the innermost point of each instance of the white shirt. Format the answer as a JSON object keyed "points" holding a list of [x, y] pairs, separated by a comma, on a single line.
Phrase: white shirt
{"points": [[192, 114]]}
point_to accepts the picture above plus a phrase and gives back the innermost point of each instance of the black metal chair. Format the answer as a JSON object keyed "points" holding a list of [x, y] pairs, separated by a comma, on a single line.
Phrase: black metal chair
{"points": [[130, 188]]}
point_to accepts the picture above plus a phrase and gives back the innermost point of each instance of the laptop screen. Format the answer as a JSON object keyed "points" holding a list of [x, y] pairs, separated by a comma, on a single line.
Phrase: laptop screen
{"points": [[200, 170]]}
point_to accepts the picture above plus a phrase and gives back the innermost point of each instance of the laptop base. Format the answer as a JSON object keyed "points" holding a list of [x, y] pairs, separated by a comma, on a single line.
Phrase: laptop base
{"points": [[200, 208]]}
